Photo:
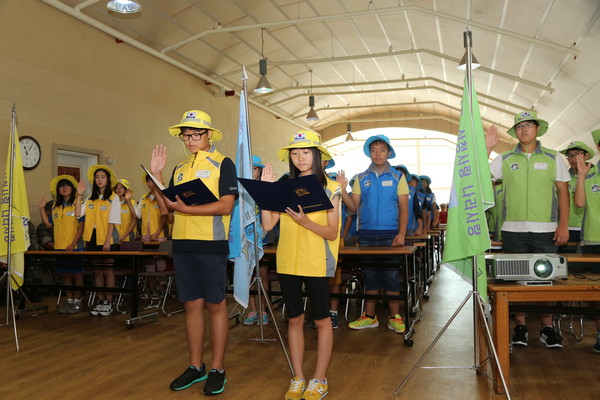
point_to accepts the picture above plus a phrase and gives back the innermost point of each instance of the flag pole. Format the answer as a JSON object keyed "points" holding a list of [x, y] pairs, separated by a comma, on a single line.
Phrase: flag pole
{"points": [[478, 302], [9, 293], [261, 292]]}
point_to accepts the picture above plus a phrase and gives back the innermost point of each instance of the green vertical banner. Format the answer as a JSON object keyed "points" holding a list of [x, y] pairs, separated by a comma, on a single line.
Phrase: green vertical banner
{"points": [[467, 233]]}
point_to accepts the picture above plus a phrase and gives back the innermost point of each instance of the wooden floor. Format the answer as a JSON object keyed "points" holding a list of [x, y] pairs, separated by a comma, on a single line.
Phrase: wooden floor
{"points": [[79, 357]]}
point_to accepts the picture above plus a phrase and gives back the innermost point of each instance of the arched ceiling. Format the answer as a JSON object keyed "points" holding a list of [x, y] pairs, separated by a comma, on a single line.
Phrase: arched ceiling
{"points": [[381, 62]]}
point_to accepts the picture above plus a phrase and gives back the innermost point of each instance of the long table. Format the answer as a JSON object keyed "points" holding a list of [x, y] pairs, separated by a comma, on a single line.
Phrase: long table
{"points": [[378, 256], [134, 258], [504, 293]]}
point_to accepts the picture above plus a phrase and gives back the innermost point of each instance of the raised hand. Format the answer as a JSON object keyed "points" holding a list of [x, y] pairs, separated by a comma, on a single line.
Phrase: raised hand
{"points": [[43, 202], [267, 173], [582, 167], [341, 179], [128, 194], [158, 161], [81, 187], [491, 138]]}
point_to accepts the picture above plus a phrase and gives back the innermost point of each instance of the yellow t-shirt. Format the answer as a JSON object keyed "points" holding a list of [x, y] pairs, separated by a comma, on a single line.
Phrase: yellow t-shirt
{"points": [[304, 253]]}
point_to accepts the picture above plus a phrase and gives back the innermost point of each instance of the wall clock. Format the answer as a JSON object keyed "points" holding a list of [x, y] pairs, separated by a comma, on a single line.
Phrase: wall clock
{"points": [[31, 152]]}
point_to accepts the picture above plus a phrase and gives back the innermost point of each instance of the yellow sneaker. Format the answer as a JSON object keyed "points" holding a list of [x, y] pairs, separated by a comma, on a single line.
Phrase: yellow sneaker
{"points": [[364, 322], [316, 390], [296, 389], [397, 324]]}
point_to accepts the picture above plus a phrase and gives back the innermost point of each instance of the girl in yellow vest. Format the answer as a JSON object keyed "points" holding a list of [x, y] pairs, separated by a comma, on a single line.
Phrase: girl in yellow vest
{"points": [[306, 254], [147, 210], [128, 215], [102, 211], [67, 236]]}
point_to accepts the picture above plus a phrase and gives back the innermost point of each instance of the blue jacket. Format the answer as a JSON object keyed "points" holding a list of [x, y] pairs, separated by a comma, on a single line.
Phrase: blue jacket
{"points": [[378, 210]]}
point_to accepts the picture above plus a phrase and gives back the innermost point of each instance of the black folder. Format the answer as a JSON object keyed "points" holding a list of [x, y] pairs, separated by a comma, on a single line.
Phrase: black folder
{"points": [[305, 191], [192, 192]]}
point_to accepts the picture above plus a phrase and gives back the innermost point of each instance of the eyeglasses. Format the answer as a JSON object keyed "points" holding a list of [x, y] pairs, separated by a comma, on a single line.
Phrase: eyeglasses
{"points": [[524, 125], [573, 155], [195, 135]]}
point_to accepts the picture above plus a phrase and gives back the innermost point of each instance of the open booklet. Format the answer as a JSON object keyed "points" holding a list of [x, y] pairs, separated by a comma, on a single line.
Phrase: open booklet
{"points": [[192, 192], [305, 191]]}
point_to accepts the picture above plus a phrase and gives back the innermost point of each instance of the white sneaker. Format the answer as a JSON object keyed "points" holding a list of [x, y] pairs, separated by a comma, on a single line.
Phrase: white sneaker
{"points": [[75, 307], [106, 309], [97, 308]]}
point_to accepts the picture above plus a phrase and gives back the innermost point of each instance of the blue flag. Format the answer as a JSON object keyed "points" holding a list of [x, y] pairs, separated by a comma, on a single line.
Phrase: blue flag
{"points": [[471, 194], [244, 217]]}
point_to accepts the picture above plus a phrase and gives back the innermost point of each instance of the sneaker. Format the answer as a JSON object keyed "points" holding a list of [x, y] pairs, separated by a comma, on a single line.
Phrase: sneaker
{"points": [[315, 390], [597, 345], [97, 308], [550, 338], [296, 389], [190, 376], [215, 383], [396, 324], [75, 307], [251, 318], [106, 309], [265, 318], [335, 319], [364, 322], [66, 308], [520, 336]]}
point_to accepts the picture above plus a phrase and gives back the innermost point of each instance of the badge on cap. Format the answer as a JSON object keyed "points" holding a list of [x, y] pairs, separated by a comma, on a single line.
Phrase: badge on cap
{"points": [[190, 115], [300, 136]]}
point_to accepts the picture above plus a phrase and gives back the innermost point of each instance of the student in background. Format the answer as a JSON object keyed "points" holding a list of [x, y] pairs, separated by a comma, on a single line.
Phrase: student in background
{"points": [[380, 194], [306, 254], [575, 213], [148, 212], [128, 216], [67, 231], [102, 212], [587, 196], [252, 316]]}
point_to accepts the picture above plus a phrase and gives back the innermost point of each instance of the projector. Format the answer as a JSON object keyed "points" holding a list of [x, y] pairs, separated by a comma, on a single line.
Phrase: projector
{"points": [[526, 267]]}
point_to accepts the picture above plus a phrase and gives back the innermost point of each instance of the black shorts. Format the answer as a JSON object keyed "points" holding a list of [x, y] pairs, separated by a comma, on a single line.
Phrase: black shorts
{"points": [[318, 293], [200, 276]]}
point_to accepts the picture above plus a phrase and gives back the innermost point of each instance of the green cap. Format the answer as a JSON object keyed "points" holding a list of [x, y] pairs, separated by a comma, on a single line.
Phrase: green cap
{"points": [[528, 116], [596, 136], [578, 145]]}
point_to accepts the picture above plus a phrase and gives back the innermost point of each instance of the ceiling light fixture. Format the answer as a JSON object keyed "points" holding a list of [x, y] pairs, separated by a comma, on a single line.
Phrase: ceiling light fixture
{"points": [[349, 137], [263, 85], [124, 6], [312, 114]]}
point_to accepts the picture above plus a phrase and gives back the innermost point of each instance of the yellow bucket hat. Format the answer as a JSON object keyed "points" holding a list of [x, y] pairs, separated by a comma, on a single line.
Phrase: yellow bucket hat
{"points": [[59, 178], [529, 116], [578, 145], [92, 171], [302, 140], [124, 182], [196, 119], [596, 136]]}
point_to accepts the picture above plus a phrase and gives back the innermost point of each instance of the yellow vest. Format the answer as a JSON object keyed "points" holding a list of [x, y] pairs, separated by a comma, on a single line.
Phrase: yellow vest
{"points": [[150, 215], [65, 225], [126, 221], [302, 252], [207, 167], [96, 215]]}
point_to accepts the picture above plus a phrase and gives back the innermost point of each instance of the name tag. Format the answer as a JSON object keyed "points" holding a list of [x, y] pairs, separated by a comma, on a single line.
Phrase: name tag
{"points": [[540, 165], [70, 213], [386, 183], [202, 173], [103, 208]]}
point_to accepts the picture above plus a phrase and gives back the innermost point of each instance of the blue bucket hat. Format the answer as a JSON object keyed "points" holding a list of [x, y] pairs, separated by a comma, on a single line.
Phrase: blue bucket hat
{"points": [[428, 179], [256, 161], [403, 169], [383, 138], [330, 164]]}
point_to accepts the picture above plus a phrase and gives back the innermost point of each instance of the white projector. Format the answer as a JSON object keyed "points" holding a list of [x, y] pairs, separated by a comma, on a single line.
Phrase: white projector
{"points": [[526, 267]]}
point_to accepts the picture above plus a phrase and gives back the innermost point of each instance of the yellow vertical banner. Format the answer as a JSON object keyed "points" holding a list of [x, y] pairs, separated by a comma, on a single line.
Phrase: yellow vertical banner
{"points": [[18, 233]]}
